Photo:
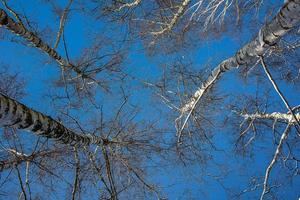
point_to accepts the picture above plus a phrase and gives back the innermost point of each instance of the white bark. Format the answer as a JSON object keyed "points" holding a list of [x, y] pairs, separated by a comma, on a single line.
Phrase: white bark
{"points": [[15, 114], [129, 5], [19, 29], [287, 18], [273, 116], [174, 20], [272, 163], [62, 22]]}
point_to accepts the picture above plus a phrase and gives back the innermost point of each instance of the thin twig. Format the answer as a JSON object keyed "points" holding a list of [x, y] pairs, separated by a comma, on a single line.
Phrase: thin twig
{"points": [[139, 177]]}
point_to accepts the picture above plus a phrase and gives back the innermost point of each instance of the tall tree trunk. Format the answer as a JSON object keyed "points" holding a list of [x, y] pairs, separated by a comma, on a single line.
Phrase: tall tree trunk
{"points": [[19, 29], [287, 18], [15, 114]]}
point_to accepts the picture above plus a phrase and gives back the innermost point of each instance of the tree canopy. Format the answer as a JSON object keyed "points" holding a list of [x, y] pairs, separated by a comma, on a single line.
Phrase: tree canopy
{"points": [[157, 99]]}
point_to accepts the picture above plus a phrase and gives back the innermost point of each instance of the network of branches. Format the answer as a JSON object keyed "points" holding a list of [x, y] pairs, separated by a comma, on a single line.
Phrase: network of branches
{"points": [[156, 99]]}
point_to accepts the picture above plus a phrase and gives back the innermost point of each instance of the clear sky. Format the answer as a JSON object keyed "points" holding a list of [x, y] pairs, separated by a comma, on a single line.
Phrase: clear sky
{"points": [[224, 172]]}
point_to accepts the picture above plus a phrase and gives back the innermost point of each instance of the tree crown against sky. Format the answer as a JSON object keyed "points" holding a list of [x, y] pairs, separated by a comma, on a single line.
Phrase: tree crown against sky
{"points": [[159, 99]]}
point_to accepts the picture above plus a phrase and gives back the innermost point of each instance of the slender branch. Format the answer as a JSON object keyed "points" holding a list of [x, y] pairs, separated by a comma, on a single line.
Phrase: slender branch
{"points": [[211, 11], [290, 109], [21, 158], [114, 194], [77, 170], [21, 183], [27, 178], [62, 23], [98, 170], [139, 177], [277, 152], [174, 20], [129, 5]]}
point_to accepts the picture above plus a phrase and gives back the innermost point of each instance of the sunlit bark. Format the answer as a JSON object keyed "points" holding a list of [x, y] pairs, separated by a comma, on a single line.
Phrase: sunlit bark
{"points": [[174, 20], [287, 117], [287, 18], [129, 5]]}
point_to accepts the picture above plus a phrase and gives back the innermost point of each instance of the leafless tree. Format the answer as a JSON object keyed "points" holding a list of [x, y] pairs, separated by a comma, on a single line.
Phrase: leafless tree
{"points": [[108, 131]]}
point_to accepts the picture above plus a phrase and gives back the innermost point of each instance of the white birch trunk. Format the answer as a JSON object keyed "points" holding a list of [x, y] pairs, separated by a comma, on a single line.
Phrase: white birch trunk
{"points": [[20, 30], [287, 18], [15, 114]]}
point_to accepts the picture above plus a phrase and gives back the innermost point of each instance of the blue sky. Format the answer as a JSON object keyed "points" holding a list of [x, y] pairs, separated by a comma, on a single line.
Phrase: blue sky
{"points": [[197, 180]]}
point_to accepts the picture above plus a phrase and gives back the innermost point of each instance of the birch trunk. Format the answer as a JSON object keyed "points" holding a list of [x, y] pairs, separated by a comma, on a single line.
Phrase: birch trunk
{"points": [[19, 29], [15, 114], [287, 18]]}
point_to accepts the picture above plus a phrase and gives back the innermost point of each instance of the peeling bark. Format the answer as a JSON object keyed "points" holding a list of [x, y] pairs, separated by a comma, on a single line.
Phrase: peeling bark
{"points": [[287, 18], [15, 114]]}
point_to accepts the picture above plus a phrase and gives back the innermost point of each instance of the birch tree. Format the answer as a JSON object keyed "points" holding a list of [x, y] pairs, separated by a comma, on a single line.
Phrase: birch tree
{"points": [[101, 124]]}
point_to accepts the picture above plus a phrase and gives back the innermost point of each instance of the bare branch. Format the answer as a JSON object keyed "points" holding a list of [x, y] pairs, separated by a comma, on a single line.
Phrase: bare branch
{"points": [[277, 152], [27, 178], [139, 177], [21, 157], [273, 116], [62, 23], [98, 170], [77, 169], [21, 184], [174, 20], [213, 11], [114, 194], [280, 93], [129, 5]]}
